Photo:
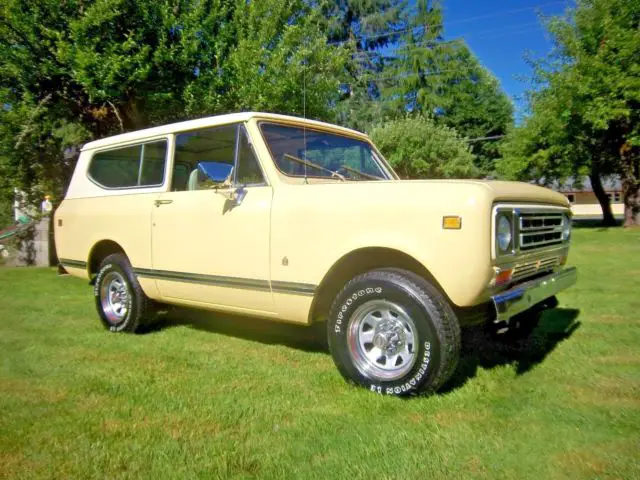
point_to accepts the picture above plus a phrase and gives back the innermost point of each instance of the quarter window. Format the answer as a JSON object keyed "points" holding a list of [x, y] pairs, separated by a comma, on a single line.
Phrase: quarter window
{"points": [[249, 172], [128, 167]]}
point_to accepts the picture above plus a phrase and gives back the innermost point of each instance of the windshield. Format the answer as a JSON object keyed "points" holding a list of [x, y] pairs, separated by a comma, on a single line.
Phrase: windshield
{"points": [[300, 152]]}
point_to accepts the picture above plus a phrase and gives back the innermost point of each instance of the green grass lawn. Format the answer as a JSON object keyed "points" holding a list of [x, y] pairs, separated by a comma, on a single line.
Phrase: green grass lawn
{"points": [[218, 397]]}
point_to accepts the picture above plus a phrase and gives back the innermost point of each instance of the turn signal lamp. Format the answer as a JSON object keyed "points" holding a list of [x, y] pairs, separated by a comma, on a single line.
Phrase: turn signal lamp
{"points": [[452, 223], [503, 277]]}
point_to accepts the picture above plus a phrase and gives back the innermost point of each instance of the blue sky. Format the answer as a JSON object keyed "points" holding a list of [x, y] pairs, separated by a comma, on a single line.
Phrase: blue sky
{"points": [[499, 32]]}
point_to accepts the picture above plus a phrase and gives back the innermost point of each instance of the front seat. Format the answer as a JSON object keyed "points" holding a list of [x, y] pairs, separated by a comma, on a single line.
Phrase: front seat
{"points": [[194, 179]]}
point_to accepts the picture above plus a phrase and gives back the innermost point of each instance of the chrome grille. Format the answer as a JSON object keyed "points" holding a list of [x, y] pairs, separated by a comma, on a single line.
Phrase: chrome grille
{"points": [[534, 267], [539, 229]]}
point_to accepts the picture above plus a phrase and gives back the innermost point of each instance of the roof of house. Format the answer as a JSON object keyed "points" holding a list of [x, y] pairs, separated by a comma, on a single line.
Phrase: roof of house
{"points": [[211, 122]]}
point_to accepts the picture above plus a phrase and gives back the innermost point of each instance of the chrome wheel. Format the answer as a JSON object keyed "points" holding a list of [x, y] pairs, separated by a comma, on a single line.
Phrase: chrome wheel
{"points": [[382, 340], [114, 297]]}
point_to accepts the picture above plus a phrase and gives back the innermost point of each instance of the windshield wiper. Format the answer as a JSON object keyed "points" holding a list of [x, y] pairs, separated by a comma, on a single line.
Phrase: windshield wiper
{"points": [[314, 165], [362, 174]]}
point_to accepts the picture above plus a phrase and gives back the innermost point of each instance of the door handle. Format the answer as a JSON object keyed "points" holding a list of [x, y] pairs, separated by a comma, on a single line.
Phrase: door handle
{"points": [[163, 202]]}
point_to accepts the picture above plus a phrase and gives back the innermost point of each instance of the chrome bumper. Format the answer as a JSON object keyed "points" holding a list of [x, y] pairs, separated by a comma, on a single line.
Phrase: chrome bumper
{"points": [[527, 294]]}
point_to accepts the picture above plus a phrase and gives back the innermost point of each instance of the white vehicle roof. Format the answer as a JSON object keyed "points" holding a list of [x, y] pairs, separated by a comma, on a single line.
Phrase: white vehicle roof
{"points": [[210, 122]]}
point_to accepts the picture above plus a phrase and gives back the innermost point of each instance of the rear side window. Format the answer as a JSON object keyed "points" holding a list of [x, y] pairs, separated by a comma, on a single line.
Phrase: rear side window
{"points": [[127, 167]]}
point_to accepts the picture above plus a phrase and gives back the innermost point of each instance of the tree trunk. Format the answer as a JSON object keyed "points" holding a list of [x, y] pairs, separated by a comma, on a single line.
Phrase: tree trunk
{"points": [[630, 186], [608, 219]]}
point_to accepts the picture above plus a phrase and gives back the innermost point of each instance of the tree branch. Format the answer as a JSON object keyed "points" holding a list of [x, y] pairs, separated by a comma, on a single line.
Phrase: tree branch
{"points": [[115, 110]]}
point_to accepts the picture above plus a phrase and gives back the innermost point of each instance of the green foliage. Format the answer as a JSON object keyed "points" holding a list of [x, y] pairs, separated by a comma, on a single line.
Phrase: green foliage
{"points": [[444, 79], [428, 75], [585, 112], [364, 27], [81, 70], [417, 147], [78, 70], [6, 209]]}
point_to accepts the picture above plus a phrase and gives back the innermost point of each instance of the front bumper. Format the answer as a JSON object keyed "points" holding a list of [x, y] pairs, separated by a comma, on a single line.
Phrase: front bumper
{"points": [[527, 294]]}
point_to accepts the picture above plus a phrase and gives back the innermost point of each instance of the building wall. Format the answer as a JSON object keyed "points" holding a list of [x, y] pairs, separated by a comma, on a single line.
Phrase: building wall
{"points": [[585, 204]]}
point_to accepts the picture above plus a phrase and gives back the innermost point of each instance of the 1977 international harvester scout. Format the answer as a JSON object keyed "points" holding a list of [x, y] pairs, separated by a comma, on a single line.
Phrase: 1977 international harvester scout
{"points": [[301, 221]]}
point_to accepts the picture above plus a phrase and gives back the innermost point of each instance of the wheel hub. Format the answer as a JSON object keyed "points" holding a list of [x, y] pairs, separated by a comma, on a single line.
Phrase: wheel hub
{"points": [[114, 297], [382, 340], [389, 337]]}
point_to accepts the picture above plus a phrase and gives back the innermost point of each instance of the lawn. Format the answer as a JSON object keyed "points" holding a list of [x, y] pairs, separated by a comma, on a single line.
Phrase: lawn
{"points": [[218, 397]]}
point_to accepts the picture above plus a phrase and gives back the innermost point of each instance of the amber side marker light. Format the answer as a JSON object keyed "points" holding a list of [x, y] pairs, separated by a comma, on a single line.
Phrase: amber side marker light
{"points": [[451, 223]]}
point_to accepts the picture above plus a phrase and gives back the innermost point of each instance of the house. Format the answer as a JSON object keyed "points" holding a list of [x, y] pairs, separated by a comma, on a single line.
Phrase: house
{"points": [[584, 203]]}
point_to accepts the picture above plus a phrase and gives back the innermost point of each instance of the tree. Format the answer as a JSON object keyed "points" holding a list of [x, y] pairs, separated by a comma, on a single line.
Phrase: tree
{"points": [[585, 109], [79, 70], [421, 73], [368, 28], [443, 79], [444, 155]]}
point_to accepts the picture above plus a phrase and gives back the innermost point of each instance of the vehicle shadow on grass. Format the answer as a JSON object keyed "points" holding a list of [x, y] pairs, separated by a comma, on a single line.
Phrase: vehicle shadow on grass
{"points": [[481, 349], [309, 339]]}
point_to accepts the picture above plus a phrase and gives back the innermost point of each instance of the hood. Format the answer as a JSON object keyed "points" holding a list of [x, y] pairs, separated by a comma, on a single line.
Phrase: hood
{"points": [[506, 191]]}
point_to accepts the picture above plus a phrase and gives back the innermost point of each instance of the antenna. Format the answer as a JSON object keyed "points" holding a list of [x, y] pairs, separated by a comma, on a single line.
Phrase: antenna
{"points": [[304, 110]]}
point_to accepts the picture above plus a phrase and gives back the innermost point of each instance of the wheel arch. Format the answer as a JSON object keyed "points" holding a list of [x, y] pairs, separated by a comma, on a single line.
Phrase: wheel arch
{"points": [[99, 252], [360, 261]]}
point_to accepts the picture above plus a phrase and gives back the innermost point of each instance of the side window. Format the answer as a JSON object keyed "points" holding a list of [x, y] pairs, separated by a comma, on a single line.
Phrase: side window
{"points": [[116, 168], [249, 172], [208, 145], [134, 166], [153, 162]]}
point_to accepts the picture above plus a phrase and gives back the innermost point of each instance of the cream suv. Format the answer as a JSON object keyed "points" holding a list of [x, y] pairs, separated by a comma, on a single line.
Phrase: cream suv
{"points": [[299, 221]]}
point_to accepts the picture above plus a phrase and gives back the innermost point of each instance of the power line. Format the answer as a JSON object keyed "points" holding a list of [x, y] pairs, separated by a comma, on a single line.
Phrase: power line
{"points": [[408, 75], [435, 45], [462, 20]]}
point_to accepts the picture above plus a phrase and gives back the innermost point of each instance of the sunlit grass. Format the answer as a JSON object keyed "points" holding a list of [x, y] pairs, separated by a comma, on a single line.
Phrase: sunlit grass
{"points": [[213, 397]]}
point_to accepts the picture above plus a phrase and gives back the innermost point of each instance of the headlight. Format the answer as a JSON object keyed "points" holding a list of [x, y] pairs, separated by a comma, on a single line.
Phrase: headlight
{"points": [[503, 233], [566, 227]]}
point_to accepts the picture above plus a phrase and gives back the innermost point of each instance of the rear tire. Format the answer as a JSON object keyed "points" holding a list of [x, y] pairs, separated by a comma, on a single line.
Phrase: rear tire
{"points": [[120, 301], [392, 332]]}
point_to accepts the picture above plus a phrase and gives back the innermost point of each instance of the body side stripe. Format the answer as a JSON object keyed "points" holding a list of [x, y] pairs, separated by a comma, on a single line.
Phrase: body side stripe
{"points": [[230, 282], [72, 263]]}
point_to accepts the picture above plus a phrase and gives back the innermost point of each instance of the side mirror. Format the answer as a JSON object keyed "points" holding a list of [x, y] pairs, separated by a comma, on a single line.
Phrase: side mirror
{"points": [[217, 173], [219, 176]]}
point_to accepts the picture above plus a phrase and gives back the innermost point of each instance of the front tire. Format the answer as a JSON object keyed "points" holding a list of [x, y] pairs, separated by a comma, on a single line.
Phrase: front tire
{"points": [[120, 301], [394, 333]]}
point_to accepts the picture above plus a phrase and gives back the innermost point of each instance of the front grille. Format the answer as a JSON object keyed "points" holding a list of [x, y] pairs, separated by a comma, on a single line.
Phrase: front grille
{"points": [[534, 267], [539, 229]]}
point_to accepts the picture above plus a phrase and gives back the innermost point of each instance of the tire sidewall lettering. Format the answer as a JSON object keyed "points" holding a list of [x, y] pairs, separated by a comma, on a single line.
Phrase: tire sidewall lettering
{"points": [[410, 384], [348, 302]]}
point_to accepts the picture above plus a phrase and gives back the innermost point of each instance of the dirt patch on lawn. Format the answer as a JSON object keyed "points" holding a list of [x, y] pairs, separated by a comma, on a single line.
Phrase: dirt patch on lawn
{"points": [[30, 392], [607, 393], [598, 461]]}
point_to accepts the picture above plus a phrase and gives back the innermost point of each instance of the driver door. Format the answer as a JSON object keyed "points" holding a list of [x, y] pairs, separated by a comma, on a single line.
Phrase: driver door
{"points": [[206, 248]]}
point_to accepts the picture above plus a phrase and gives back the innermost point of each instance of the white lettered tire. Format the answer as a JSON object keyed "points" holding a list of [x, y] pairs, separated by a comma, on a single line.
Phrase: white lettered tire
{"points": [[394, 333], [120, 301]]}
